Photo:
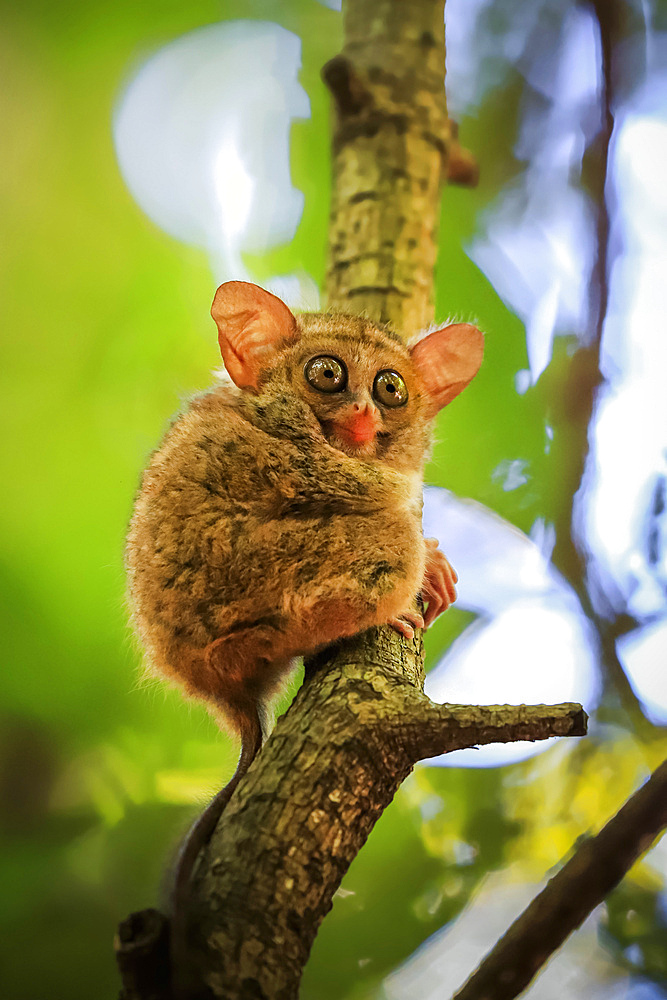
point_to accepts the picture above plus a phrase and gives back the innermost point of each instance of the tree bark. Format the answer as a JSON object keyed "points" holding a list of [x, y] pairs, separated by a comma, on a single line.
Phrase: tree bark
{"points": [[390, 152]]}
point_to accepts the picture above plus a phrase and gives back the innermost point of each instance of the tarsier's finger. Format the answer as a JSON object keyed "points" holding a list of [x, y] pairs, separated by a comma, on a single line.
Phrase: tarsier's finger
{"points": [[402, 628], [433, 610], [451, 579], [406, 623], [450, 576], [435, 554], [438, 588], [436, 602], [446, 578], [414, 618], [433, 588]]}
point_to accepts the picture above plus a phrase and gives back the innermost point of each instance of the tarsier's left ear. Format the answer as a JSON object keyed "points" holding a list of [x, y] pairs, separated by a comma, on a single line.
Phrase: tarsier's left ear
{"points": [[252, 325], [447, 361]]}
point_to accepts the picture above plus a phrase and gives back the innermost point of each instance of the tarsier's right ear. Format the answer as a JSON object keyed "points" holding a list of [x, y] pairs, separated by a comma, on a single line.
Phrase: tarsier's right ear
{"points": [[252, 325]]}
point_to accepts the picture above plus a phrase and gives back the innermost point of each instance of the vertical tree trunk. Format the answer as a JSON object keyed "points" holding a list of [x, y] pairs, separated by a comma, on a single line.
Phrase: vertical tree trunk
{"points": [[389, 152]]}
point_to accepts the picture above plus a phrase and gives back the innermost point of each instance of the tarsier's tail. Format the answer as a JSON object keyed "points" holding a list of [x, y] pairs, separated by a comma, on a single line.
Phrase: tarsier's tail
{"points": [[201, 830], [251, 730]]}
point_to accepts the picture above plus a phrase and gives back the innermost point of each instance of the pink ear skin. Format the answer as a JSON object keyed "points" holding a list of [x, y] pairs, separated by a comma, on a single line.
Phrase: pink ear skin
{"points": [[252, 324], [447, 361]]}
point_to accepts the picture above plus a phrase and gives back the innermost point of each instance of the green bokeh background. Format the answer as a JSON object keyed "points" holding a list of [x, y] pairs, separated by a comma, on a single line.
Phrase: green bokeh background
{"points": [[105, 329]]}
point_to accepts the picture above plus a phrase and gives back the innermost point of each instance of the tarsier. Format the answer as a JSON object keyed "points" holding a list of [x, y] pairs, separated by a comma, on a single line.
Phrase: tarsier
{"points": [[283, 511]]}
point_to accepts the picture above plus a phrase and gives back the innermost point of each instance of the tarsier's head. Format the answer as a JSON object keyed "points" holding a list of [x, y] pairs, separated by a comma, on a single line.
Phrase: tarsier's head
{"points": [[372, 396]]}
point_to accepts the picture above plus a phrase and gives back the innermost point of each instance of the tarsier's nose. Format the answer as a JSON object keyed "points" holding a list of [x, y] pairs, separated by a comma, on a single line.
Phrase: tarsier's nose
{"points": [[362, 423], [362, 406]]}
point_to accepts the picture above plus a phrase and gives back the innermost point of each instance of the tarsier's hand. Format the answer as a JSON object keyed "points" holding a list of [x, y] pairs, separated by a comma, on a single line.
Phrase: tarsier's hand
{"points": [[438, 592], [438, 589], [406, 623]]}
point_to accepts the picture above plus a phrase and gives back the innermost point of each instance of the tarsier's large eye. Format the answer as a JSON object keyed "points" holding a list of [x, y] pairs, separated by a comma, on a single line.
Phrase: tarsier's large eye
{"points": [[326, 373], [389, 388]]}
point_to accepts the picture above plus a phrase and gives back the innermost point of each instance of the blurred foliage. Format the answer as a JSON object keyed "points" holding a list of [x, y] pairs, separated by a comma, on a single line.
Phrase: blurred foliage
{"points": [[105, 330], [635, 928]]}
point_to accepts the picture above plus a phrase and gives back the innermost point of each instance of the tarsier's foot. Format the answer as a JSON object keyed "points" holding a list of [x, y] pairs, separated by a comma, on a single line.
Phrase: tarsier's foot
{"points": [[438, 589], [406, 623]]}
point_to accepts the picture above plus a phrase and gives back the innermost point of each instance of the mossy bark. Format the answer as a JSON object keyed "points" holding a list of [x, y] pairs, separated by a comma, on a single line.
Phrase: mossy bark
{"points": [[390, 147]]}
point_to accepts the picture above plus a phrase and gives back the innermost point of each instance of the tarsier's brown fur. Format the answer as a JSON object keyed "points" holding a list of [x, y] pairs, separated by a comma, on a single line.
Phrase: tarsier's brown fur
{"points": [[276, 518]]}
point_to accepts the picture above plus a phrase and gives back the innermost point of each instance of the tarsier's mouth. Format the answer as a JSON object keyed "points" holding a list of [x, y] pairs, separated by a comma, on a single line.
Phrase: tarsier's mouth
{"points": [[357, 427], [349, 438], [356, 432], [356, 436]]}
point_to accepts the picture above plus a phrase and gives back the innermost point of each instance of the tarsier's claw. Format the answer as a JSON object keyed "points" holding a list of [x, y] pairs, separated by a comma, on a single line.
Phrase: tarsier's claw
{"points": [[406, 623], [438, 588]]}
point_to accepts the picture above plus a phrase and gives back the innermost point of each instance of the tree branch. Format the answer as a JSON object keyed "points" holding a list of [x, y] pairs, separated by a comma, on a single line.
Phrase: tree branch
{"points": [[428, 730], [597, 866]]}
